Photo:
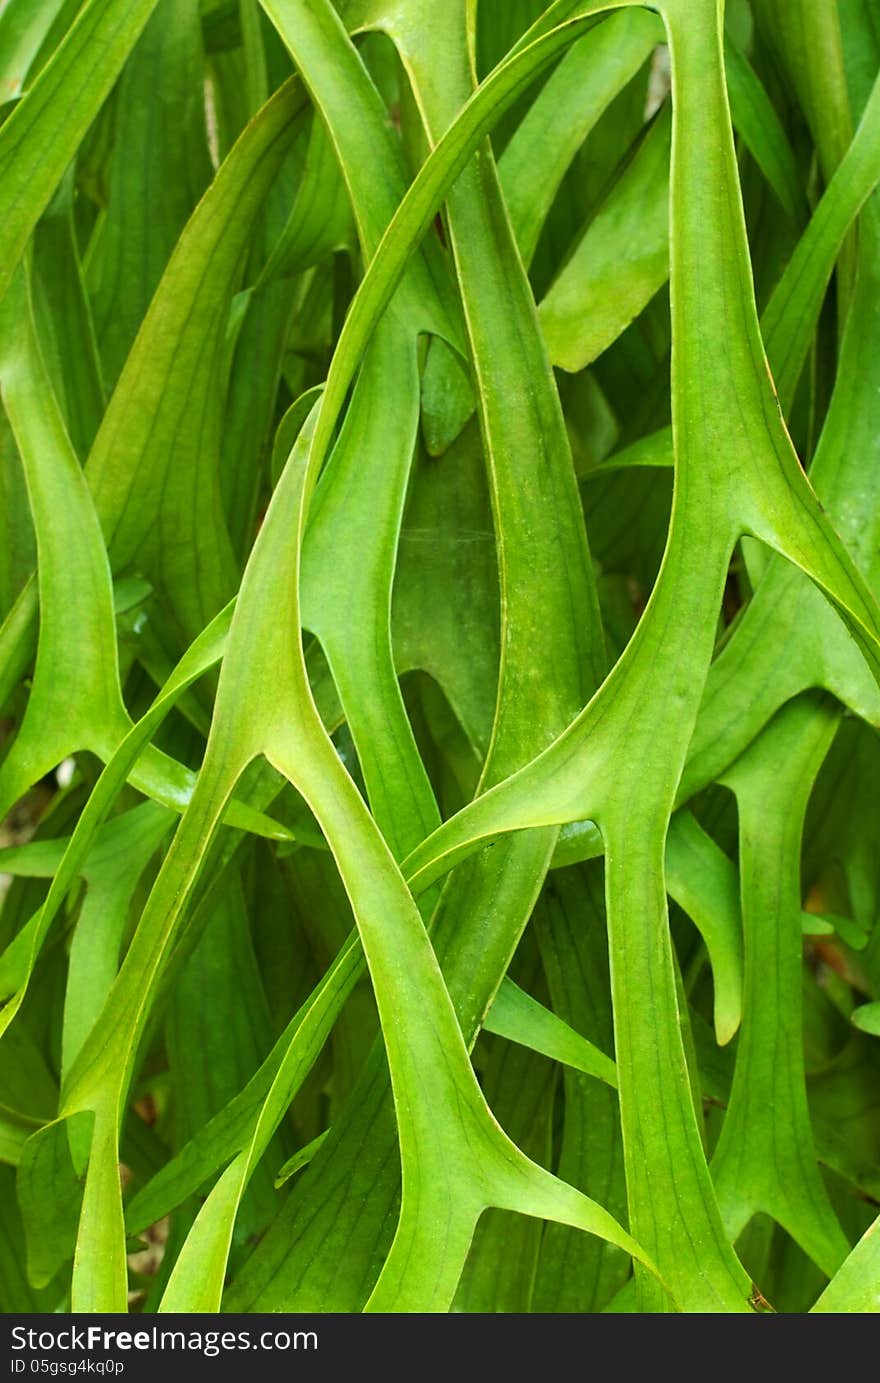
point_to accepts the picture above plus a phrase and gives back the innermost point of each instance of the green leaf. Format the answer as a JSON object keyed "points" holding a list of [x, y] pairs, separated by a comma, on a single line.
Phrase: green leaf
{"points": [[618, 265], [855, 1286], [158, 170], [526, 573], [154, 468], [516, 1015], [762, 1164], [867, 1018], [300, 1159], [42, 135]]}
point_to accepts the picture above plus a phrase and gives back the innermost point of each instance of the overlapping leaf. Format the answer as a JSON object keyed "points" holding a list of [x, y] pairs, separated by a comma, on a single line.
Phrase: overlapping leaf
{"points": [[565, 911]]}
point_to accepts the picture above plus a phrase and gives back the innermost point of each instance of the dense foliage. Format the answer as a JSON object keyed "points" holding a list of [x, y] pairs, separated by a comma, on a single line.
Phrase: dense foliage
{"points": [[440, 448]]}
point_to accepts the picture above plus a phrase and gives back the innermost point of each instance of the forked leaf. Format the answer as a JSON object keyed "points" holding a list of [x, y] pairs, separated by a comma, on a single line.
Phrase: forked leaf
{"points": [[283, 723], [514, 688], [760, 1164]]}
